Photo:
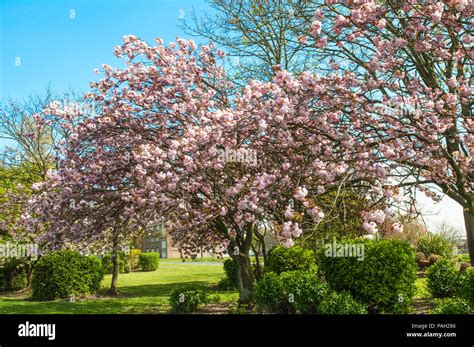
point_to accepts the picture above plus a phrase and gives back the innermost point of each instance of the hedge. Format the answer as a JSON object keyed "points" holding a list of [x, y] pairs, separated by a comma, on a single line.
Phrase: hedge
{"points": [[384, 280]]}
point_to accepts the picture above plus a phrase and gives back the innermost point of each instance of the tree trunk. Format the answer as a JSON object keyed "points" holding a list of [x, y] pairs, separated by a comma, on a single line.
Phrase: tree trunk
{"points": [[244, 279], [257, 263], [469, 222], [29, 274], [115, 272]]}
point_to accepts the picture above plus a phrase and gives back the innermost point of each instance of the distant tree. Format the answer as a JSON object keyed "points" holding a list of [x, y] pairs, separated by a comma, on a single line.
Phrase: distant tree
{"points": [[257, 35]]}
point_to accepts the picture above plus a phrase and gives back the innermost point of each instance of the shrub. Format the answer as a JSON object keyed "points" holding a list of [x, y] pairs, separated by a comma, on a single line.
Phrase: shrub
{"points": [[296, 258], [226, 284], [421, 260], [229, 282], [384, 280], [132, 259], [62, 273], [290, 292], [433, 259], [451, 306], [467, 286], [108, 264], [230, 269], [443, 279], [148, 261], [434, 244], [341, 303], [13, 275], [187, 300]]}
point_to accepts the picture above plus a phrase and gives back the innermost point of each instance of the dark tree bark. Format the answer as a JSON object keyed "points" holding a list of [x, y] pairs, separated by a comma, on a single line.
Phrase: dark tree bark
{"points": [[244, 279], [29, 275], [115, 271], [469, 222], [239, 252]]}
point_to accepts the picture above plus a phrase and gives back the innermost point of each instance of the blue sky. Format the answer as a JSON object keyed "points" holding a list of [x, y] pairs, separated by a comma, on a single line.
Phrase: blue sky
{"points": [[42, 44]]}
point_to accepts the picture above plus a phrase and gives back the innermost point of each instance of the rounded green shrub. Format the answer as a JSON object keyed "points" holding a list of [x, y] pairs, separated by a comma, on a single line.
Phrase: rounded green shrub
{"points": [[187, 300], [451, 306], [148, 261], [384, 279], [229, 282], [290, 292], [341, 303], [230, 269], [226, 284], [132, 259], [434, 244], [108, 264], [13, 275], [281, 259], [467, 286], [443, 279], [62, 273]]}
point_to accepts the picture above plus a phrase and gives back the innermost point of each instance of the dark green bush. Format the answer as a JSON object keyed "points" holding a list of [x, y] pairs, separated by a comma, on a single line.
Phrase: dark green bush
{"points": [[341, 303], [443, 279], [451, 306], [384, 280], [108, 264], [467, 286], [229, 282], [148, 261], [281, 259], [435, 244], [62, 273], [226, 284], [230, 269], [290, 292], [187, 300], [13, 275]]}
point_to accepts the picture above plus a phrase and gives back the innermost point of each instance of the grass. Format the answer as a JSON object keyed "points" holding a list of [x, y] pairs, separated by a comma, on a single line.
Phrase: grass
{"points": [[139, 292]]}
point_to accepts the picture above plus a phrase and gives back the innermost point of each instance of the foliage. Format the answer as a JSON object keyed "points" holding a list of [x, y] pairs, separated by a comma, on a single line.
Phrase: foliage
{"points": [[451, 306], [443, 279], [13, 274], [148, 261], [467, 286], [108, 264], [290, 292], [281, 259], [133, 258], [343, 219], [434, 244], [341, 303], [384, 280], [187, 300], [230, 269], [60, 274]]}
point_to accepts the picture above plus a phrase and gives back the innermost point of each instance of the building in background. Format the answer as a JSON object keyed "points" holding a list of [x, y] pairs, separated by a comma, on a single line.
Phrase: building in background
{"points": [[156, 239]]}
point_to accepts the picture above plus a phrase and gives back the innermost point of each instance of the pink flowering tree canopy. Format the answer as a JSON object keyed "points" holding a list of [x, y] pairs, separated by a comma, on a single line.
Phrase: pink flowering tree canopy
{"points": [[174, 143], [409, 65]]}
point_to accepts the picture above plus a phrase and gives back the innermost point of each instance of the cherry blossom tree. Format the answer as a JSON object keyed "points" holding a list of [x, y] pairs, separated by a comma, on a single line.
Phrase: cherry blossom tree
{"points": [[410, 66], [171, 144]]}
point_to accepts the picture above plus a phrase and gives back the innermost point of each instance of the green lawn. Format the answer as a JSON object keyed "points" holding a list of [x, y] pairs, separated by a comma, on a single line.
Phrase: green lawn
{"points": [[139, 292]]}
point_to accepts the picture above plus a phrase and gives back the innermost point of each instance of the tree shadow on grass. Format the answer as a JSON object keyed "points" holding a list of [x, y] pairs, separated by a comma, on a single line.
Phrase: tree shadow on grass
{"points": [[152, 290], [150, 298]]}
